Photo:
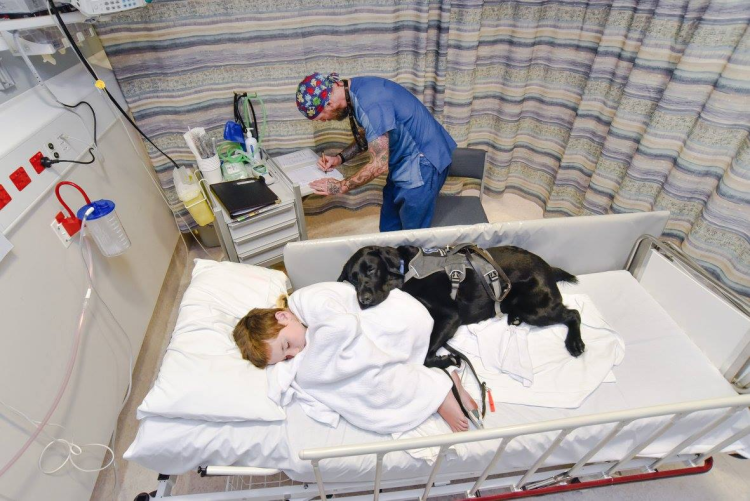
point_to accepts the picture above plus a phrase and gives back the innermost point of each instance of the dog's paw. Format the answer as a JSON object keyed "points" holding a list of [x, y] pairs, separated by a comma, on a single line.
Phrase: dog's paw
{"points": [[575, 346], [442, 361]]}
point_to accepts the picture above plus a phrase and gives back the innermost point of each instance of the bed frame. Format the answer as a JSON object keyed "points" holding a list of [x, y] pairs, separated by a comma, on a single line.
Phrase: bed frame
{"points": [[720, 327]]}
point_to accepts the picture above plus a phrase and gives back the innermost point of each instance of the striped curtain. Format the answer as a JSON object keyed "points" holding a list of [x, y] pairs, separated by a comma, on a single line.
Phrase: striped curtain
{"points": [[585, 107]]}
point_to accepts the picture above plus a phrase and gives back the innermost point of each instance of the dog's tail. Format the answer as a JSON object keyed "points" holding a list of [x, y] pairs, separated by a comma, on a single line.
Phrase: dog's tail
{"points": [[561, 275]]}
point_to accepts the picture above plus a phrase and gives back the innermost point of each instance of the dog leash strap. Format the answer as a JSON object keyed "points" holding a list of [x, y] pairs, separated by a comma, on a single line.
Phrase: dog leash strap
{"points": [[482, 384]]}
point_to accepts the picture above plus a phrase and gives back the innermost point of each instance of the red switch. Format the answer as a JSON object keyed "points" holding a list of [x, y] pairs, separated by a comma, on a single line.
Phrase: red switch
{"points": [[4, 197], [36, 162], [20, 178]]}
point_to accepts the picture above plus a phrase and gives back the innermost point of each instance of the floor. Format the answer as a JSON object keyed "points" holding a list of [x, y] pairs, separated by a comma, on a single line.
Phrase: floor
{"points": [[729, 479]]}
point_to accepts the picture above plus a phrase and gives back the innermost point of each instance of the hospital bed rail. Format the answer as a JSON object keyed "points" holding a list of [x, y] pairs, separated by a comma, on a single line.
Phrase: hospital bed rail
{"points": [[733, 362], [537, 478], [581, 473], [563, 427]]}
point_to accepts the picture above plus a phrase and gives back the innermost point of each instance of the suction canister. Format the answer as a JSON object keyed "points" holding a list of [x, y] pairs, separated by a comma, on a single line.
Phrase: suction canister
{"points": [[105, 227]]}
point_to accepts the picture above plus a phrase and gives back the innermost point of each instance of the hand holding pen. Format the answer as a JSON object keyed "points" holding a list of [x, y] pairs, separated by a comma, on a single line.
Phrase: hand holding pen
{"points": [[327, 164]]}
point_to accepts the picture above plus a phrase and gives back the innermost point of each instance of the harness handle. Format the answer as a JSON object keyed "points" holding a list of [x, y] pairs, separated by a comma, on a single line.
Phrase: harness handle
{"points": [[470, 249]]}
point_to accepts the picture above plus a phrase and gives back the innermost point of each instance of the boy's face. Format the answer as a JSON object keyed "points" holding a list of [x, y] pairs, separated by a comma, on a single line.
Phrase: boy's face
{"points": [[291, 338]]}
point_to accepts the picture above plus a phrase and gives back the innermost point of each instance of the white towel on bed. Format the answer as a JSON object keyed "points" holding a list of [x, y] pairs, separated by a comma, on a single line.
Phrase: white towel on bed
{"points": [[366, 366], [503, 348], [531, 366]]}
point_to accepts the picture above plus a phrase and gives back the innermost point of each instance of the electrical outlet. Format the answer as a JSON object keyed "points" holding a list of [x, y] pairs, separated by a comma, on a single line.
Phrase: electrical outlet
{"points": [[63, 146], [61, 233], [49, 149]]}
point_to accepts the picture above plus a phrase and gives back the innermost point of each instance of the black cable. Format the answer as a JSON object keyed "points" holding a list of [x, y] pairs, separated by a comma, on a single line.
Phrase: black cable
{"points": [[92, 114], [239, 117], [236, 108], [88, 67], [48, 162], [255, 120]]}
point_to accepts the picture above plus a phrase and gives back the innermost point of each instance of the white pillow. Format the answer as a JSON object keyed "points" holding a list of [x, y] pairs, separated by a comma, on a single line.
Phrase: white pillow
{"points": [[203, 375]]}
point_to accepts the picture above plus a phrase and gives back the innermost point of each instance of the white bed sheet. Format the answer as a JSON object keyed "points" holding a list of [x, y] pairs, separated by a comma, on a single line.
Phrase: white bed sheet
{"points": [[661, 366]]}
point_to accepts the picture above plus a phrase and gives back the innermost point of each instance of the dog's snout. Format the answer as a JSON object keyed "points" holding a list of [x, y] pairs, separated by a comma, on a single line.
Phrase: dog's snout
{"points": [[366, 298]]}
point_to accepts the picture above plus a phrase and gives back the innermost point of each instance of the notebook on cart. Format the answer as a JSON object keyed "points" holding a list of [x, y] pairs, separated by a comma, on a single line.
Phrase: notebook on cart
{"points": [[243, 196]]}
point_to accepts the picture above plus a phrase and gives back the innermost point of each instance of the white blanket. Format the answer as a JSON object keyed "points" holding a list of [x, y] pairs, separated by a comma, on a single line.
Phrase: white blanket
{"points": [[364, 365]]}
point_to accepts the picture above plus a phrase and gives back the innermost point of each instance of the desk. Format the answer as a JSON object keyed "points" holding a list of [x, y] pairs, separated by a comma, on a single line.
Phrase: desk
{"points": [[260, 239]]}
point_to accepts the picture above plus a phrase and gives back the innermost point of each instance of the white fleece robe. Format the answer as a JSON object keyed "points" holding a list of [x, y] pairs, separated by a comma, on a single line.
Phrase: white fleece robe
{"points": [[364, 365]]}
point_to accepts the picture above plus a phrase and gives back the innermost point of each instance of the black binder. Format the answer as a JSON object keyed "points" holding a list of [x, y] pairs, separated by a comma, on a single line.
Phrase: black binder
{"points": [[244, 196]]}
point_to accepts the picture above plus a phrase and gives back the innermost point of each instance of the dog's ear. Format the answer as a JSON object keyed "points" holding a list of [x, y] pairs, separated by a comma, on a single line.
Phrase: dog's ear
{"points": [[344, 277], [407, 253], [392, 259]]}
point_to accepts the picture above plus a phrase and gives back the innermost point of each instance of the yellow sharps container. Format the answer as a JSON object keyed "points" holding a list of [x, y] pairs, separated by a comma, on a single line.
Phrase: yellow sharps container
{"points": [[190, 193]]}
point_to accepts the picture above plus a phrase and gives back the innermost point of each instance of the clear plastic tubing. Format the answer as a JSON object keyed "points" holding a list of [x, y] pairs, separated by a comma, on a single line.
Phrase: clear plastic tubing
{"points": [[63, 386]]}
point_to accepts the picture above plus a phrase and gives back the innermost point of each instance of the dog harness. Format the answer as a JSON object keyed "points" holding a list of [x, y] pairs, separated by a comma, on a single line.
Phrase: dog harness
{"points": [[454, 262]]}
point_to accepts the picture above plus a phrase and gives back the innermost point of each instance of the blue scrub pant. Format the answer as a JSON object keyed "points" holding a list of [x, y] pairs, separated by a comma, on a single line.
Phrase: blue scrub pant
{"points": [[411, 208]]}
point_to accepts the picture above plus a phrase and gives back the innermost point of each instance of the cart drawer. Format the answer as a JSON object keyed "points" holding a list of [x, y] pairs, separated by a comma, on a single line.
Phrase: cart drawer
{"points": [[257, 240], [266, 253], [262, 221]]}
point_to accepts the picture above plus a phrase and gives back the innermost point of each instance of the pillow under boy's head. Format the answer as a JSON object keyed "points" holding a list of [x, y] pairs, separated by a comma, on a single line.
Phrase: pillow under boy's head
{"points": [[203, 375]]}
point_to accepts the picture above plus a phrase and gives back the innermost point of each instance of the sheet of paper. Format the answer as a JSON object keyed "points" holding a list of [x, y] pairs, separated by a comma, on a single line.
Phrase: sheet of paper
{"points": [[296, 159], [302, 168]]}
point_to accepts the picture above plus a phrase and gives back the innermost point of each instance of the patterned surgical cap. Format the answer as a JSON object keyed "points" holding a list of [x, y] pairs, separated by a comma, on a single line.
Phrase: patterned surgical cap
{"points": [[314, 92]]}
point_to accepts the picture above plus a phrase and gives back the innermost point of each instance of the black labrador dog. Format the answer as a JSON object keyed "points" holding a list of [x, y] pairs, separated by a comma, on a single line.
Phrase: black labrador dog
{"points": [[534, 297]]}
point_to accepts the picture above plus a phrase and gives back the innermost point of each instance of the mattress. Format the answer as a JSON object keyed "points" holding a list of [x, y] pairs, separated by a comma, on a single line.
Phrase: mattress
{"points": [[661, 366]]}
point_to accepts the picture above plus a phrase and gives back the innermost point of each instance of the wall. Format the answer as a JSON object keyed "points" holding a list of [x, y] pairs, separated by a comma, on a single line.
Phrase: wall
{"points": [[42, 286]]}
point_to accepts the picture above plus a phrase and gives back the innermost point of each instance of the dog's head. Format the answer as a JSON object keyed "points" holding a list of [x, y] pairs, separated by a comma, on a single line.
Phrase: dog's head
{"points": [[374, 271]]}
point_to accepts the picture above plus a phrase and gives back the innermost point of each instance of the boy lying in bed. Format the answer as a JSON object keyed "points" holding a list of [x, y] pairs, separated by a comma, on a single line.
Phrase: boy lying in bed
{"points": [[339, 360]]}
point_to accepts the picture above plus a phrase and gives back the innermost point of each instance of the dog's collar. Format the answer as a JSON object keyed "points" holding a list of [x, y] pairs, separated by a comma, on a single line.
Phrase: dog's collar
{"points": [[401, 266]]}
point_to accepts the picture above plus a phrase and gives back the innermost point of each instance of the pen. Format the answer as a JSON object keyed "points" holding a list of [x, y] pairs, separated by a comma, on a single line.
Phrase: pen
{"points": [[325, 171]]}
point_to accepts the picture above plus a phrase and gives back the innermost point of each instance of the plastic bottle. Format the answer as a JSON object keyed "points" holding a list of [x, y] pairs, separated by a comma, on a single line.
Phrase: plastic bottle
{"points": [[189, 192], [252, 147]]}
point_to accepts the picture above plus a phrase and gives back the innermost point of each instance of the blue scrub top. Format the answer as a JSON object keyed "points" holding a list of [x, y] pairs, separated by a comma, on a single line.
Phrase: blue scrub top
{"points": [[382, 106]]}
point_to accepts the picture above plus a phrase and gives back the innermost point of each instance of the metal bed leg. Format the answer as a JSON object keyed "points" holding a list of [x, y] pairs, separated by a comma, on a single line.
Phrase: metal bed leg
{"points": [[319, 479], [433, 473], [166, 483], [500, 449]]}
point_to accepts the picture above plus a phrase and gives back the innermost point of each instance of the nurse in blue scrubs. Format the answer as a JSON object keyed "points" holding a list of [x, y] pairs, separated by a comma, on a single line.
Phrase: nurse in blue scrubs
{"points": [[397, 132]]}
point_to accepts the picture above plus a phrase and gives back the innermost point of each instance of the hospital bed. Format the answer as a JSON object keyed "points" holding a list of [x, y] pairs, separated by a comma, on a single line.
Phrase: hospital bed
{"points": [[679, 396]]}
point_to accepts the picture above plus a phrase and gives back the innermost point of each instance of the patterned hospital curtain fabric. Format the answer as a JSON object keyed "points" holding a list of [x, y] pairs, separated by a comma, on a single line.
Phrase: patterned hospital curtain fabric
{"points": [[595, 107]]}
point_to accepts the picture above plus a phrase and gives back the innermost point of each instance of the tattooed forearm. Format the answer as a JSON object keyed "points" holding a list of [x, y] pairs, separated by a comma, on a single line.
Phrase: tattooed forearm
{"points": [[377, 165]]}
